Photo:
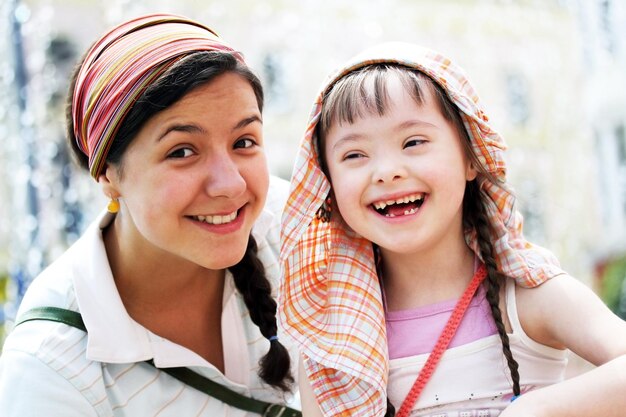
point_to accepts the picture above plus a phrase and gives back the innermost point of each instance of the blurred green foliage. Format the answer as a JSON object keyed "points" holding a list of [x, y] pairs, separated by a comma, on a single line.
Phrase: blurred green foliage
{"points": [[613, 286]]}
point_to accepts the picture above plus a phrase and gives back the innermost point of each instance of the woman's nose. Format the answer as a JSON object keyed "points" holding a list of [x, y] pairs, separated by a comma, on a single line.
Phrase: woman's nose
{"points": [[224, 179]]}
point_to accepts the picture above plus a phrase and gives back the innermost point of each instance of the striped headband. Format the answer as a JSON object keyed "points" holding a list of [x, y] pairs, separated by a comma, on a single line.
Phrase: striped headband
{"points": [[120, 66], [330, 298]]}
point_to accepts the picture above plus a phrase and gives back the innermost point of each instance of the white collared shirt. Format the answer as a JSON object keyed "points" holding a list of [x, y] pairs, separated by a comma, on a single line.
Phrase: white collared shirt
{"points": [[52, 369]]}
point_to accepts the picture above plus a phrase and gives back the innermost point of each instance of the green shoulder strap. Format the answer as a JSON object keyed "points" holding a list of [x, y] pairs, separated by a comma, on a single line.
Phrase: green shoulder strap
{"points": [[185, 375]]}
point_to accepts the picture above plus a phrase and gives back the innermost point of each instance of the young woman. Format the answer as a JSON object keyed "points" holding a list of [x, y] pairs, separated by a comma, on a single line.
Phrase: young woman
{"points": [[179, 271]]}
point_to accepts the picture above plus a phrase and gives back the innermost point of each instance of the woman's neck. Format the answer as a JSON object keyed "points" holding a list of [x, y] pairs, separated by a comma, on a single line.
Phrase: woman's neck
{"points": [[169, 296], [412, 280], [154, 276]]}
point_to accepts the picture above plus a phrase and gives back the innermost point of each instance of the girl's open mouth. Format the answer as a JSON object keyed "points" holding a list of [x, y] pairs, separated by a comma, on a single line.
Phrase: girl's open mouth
{"points": [[403, 206]]}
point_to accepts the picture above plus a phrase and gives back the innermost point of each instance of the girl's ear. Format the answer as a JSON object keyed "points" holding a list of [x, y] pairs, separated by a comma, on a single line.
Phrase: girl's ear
{"points": [[109, 181]]}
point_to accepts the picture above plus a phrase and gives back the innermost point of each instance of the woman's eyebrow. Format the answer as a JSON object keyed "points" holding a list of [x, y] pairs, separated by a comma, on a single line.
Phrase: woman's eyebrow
{"points": [[192, 128], [248, 120], [187, 128]]}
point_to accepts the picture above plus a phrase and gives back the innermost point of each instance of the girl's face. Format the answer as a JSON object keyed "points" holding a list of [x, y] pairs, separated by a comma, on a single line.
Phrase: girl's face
{"points": [[399, 179], [195, 178]]}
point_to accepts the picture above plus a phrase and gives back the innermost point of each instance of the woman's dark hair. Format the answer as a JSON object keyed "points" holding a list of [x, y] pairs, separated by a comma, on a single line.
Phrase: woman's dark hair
{"points": [[249, 276], [192, 71], [363, 92]]}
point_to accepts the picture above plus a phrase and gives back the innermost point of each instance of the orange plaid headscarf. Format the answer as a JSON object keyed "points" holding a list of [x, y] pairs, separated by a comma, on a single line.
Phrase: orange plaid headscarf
{"points": [[330, 299]]}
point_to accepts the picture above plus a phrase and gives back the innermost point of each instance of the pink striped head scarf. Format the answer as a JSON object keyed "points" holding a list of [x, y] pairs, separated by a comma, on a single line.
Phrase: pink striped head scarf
{"points": [[330, 299], [118, 68]]}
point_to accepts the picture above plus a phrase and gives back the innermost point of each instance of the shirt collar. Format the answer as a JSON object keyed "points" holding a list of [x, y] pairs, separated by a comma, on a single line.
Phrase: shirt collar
{"points": [[263, 224], [114, 337]]}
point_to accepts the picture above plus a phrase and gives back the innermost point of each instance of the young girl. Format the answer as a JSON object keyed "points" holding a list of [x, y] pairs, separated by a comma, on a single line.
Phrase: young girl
{"points": [[164, 306], [408, 282]]}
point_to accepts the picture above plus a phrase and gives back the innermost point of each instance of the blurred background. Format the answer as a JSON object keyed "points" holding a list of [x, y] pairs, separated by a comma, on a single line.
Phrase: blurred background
{"points": [[551, 73]]}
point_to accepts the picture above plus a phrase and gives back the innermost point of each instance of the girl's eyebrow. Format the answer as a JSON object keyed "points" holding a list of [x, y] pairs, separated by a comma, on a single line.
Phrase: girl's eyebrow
{"points": [[351, 137], [192, 128], [414, 122]]}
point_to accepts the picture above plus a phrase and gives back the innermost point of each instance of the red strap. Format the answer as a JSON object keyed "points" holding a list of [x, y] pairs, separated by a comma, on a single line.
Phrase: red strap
{"points": [[442, 343]]}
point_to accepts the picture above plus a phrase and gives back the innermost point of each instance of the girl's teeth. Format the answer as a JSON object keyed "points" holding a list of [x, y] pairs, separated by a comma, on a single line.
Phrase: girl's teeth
{"points": [[406, 213], [408, 199]]}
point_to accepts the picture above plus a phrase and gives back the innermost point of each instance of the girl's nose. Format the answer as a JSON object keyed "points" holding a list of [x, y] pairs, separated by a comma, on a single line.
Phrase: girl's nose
{"points": [[388, 169], [224, 179]]}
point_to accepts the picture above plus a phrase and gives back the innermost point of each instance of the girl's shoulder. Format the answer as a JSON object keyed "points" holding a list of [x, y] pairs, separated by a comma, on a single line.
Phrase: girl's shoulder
{"points": [[559, 294], [564, 313]]}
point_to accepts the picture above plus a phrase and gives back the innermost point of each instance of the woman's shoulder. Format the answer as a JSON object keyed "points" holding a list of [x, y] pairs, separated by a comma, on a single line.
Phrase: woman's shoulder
{"points": [[52, 287]]}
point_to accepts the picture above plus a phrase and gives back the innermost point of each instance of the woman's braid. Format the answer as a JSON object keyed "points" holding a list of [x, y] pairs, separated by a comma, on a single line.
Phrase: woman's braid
{"points": [[250, 280]]}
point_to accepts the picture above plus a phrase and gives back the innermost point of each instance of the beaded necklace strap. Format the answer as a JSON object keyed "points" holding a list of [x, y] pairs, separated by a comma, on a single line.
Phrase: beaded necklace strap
{"points": [[442, 343]]}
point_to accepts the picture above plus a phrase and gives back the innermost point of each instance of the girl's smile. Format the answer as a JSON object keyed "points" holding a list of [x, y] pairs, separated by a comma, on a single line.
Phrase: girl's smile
{"points": [[400, 206]]}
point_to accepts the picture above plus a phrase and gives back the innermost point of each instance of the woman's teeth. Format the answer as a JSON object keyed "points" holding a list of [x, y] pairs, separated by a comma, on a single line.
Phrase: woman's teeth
{"points": [[217, 219]]}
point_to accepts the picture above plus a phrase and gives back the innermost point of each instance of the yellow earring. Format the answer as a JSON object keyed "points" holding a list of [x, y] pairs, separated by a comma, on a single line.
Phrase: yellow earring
{"points": [[114, 206]]}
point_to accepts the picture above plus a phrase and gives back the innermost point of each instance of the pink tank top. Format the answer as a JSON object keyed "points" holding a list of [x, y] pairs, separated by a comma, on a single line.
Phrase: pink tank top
{"points": [[415, 331]]}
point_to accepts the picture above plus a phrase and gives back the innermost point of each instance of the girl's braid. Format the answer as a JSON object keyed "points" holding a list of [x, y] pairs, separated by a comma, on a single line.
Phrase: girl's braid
{"points": [[391, 410], [476, 215], [250, 280]]}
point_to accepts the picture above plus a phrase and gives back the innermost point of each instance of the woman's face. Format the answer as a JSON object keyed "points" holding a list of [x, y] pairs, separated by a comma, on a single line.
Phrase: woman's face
{"points": [[194, 180]]}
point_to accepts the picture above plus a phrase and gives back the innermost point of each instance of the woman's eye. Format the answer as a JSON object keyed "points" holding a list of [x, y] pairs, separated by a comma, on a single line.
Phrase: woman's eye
{"points": [[181, 153], [244, 143]]}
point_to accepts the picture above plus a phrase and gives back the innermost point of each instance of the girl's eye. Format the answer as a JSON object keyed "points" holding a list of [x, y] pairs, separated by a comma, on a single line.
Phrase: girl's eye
{"points": [[353, 155], [181, 153], [413, 142], [244, 143]]}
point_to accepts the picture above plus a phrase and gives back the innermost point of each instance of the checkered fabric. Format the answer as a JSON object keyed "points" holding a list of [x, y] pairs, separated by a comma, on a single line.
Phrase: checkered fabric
{"points": [[330, 299]]}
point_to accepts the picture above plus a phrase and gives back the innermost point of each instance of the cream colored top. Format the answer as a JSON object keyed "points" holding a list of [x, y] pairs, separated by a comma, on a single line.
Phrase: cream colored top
{"points": [[52, 369], [473, 380]]}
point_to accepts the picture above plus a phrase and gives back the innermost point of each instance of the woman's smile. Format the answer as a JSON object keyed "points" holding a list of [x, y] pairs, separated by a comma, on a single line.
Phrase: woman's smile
{"points": [[223, 224]]}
